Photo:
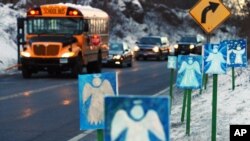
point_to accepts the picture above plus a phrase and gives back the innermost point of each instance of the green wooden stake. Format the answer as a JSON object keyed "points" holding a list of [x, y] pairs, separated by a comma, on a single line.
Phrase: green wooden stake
{"points": [[184, 106], [206, 79], [171, 86], [99, 134], [188, 112], [214, 108], [233, 79]]}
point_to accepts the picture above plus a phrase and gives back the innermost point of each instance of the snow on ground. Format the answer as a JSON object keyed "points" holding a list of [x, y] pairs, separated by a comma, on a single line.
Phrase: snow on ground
{"points": [[8, 51], [233, 108]]}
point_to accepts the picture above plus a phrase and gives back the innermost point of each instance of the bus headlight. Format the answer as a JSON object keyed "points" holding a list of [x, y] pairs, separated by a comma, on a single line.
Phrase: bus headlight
{"points": [[191, 46], [176, 46], [156, 49], [25, 54], [136, 48], [118, 57], [68, 54]]}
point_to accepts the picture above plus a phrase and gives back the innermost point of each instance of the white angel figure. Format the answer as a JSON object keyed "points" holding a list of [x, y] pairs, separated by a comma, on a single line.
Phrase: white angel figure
{"points": [[216, 59], [97, 94], [239, 52], [138, 126], [172, 62], [189, 78]]}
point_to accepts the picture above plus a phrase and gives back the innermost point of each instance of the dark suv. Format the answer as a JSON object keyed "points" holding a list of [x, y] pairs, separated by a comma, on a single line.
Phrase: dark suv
{"points": [[189, 45], [152, 47]]}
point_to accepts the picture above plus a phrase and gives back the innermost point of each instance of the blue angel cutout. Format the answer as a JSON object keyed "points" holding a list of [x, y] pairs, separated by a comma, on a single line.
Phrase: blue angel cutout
{"points": [[92, 90], [189, 73], [137, 118], [172, 62], [236, 52], [215, 62], [139, 122]]}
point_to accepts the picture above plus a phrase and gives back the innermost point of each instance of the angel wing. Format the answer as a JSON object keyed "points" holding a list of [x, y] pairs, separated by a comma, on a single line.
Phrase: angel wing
{"points": [[156, 126], [229, 51], [183, 67], [242, 51], [196, 66], [87, 92], [119, 124], [210, 57], [107, 88]]}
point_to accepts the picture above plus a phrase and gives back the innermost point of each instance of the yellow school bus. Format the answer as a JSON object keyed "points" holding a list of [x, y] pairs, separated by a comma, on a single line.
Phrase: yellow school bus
{"points": [[64, 37]]}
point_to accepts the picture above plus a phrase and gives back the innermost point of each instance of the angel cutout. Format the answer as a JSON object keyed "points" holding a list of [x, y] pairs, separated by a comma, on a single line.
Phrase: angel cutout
{"points": [[97, 92], [238, 54], [216, 58], [138, 126], [172, 62], [189, 78]]}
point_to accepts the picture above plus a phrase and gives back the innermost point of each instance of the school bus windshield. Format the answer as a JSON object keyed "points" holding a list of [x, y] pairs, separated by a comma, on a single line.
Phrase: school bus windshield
{"points": [[55, 26]]}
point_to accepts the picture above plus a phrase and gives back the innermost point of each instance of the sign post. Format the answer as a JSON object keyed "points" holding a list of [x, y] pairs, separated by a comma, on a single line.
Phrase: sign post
{"points": [[236, 55], [189, 97], [189, 76], [172, 66], [184, 106], [233, 79], [215, 55], [100, 135], [209, 14], [214, 106]]}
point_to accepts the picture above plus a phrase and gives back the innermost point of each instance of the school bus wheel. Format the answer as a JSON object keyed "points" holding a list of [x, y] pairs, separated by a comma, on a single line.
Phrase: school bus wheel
{"points": [[26, 73]]}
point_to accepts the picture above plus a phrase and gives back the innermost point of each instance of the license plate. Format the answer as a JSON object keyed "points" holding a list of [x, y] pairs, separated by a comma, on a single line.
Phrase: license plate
{"points": [[148, 53], [63, 61]]}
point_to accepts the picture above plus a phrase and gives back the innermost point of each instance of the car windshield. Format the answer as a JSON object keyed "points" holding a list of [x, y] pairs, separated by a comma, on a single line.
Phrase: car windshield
{"points": [[151, 41], [188, 39], [55, 26], [116, 47]]}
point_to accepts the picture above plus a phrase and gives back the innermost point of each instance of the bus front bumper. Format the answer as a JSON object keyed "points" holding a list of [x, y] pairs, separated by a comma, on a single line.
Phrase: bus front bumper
{"points": [[48, 63]]}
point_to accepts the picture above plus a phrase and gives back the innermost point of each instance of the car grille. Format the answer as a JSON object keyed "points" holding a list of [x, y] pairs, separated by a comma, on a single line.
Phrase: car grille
{"points": [[42, 50]]}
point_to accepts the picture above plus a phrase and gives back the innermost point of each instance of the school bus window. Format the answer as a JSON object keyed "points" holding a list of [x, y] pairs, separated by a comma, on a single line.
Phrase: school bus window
{"points": [[55, 26]]}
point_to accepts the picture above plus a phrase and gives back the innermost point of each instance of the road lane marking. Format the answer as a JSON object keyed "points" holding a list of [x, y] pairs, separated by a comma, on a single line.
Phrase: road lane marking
{"points": [[82, 135], [88, 132], [32, 92]]}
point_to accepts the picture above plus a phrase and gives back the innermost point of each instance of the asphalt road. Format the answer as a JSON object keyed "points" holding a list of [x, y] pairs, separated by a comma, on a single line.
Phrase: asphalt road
{"points": [[45, 108]]}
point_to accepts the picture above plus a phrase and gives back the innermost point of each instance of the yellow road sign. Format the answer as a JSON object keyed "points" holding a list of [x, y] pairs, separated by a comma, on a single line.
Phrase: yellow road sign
{"points": [[209, 14]]}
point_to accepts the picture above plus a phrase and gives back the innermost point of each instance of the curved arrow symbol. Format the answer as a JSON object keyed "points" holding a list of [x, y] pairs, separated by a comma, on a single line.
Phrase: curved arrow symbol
{"points": [[212, 6]]}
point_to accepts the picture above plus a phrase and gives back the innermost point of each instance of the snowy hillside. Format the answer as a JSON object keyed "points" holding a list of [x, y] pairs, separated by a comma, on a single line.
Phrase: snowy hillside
{"points": [[130, 20], [233, 108], [8, 51]]}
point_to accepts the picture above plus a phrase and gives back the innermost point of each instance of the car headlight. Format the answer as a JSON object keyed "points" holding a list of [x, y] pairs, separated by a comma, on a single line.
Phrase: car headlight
{"points": [[118, 57], [156, 49], [191, 46], [136, 48], [176, 46], [25, 54], [68, 54]]}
